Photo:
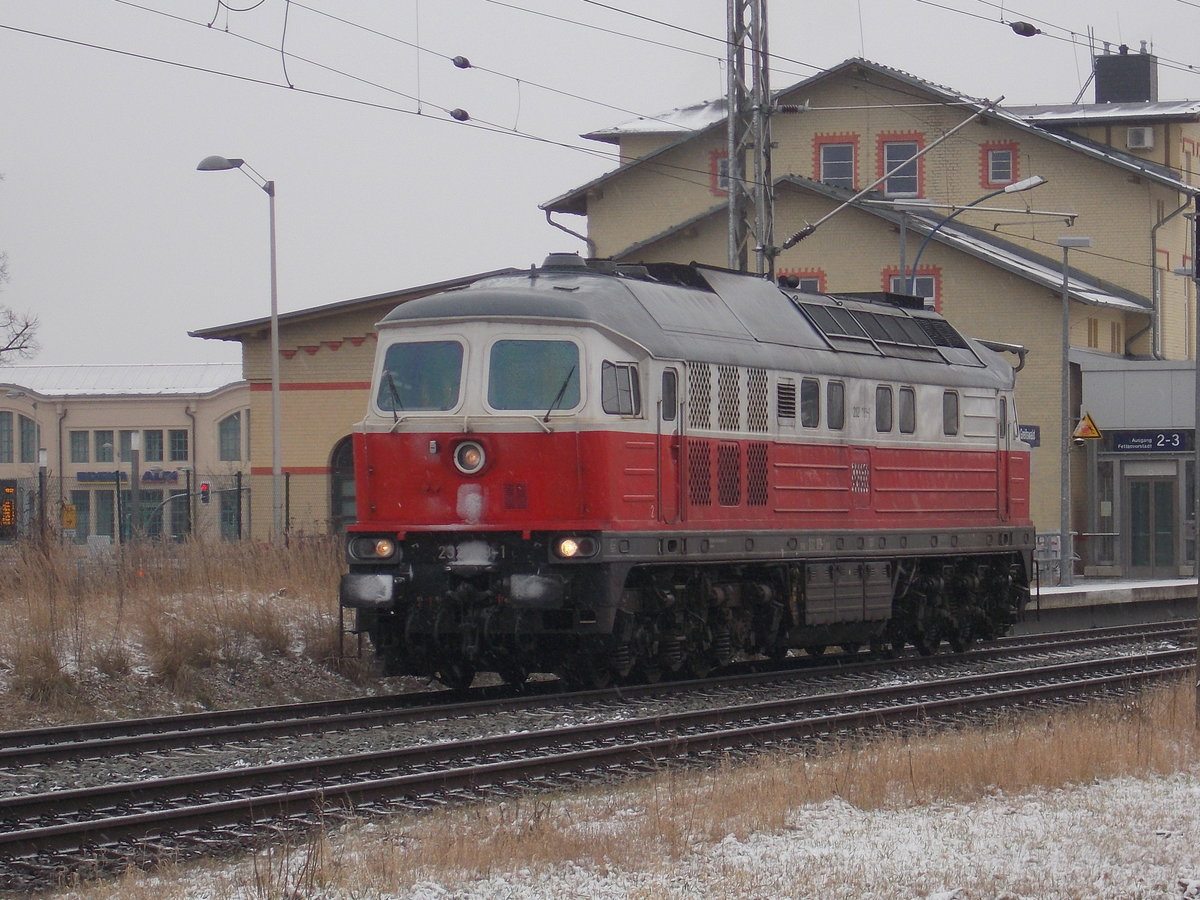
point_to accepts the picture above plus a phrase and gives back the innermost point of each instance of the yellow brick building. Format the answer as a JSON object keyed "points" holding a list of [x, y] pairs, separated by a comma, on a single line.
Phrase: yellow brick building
{"points": [[1119, 172]]}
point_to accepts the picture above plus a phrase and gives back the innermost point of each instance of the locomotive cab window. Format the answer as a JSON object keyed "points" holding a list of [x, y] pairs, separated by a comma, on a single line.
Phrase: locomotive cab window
{"points": [[619, 391], [908, 410], [533, 375], [810, 402], [883, 408], [421, 375], [670, 395]]}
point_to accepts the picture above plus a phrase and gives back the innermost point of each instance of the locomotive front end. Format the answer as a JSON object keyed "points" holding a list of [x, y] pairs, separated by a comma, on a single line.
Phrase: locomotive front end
{"points": [[480, 493]]}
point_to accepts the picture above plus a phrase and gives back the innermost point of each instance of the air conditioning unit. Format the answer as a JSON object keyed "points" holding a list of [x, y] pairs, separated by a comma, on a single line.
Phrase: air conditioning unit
{"points": [[1139, 138]]}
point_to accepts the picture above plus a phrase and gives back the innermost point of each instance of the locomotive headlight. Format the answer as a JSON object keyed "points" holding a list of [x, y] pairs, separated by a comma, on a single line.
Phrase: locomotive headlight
{"points": [[469, 457], [575, 546], [373, 548]]}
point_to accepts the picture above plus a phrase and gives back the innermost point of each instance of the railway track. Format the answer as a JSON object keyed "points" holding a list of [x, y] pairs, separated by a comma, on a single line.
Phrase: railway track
{"points": [[98, 739], [47, 834]]}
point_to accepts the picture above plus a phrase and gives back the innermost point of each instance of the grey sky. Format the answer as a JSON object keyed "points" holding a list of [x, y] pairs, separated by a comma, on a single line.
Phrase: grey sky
{"points": [[121, 247]]}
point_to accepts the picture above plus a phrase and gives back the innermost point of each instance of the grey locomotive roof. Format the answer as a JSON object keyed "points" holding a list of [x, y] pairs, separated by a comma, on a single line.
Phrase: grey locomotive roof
{"points": [[720, 317]]}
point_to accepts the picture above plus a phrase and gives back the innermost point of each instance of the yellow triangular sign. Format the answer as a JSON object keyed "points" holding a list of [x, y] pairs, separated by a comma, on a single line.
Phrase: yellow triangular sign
{"points": [[1086, 428]]}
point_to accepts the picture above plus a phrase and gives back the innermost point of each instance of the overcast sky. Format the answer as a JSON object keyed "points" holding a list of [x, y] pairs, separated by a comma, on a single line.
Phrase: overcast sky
{"points": [[121, 247]]}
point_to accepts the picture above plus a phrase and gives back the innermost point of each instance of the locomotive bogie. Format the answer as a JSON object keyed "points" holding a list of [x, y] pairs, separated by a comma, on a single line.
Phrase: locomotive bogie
{"points": [[615, 474]]}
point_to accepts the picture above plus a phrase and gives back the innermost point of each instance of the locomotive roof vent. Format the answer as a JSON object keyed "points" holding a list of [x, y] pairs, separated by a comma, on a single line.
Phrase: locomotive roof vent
{"points": [[564, 261]]}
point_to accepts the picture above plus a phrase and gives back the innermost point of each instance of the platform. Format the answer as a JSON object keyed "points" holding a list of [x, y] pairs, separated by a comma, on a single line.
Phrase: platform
{"points": [[1108, 601]]}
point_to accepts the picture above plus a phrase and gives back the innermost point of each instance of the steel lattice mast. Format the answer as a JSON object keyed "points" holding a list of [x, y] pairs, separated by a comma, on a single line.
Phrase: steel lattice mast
{"points": [[751, 201]]}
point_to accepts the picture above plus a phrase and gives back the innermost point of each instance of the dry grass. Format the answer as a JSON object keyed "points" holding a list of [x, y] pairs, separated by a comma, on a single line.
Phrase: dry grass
{"points": [[155, 626]]}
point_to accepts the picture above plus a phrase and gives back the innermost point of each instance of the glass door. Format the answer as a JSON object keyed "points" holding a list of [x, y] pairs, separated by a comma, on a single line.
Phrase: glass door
{"points": [[1152, 528]]}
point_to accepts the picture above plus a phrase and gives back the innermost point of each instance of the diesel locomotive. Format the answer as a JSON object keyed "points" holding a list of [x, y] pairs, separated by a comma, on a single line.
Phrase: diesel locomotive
{"points": [[614, 471]]}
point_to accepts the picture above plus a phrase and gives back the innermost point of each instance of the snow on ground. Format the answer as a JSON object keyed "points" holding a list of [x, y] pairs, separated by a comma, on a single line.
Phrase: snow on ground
{"points": [[1124, 839]]}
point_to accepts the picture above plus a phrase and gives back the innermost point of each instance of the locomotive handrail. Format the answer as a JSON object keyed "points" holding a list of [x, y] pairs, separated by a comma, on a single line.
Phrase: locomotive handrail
{"points": [[467, 422]]}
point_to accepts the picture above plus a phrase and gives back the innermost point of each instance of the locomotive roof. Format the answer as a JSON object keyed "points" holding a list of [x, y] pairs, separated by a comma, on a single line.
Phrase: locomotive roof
{"points": [[714, 315]]}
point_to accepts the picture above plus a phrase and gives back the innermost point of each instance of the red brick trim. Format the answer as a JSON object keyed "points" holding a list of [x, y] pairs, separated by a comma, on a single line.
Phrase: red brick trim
{"points": [[985, 170], [714, 172], [896, 137], [934, 272], [820, 140]]}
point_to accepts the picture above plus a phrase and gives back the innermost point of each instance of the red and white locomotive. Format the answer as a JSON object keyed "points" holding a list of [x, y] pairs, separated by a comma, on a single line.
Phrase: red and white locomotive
{"points": [[613, 471]]}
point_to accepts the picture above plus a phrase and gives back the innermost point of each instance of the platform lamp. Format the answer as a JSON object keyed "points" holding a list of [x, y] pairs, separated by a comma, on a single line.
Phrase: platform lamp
{"points": [[219, 164], [1066, 565], [1025, 184]]}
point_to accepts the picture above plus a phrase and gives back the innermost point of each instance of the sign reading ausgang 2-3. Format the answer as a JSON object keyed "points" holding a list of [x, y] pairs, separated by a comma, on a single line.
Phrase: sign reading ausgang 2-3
{"points": [[1165, 441]]}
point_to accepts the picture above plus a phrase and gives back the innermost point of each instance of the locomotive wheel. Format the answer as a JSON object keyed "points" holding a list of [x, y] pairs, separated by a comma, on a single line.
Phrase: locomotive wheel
{"points": [[589, 672], [513, 674], [457, 676]]}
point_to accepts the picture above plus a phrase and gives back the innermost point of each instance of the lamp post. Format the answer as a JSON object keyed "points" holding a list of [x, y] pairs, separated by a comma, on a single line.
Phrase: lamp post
{"points": [[1025, 184], [1066, 565], [218, 164]]}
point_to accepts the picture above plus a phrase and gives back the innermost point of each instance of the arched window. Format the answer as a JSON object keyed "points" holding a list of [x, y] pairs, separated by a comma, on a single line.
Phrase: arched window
{"points": [[341, 485], [229, 438]]}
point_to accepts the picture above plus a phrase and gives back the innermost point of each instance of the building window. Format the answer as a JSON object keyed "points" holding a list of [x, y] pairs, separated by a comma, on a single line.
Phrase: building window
{"points": [[905, 181], [1114, 337], [152, 445], [230, 509], [229, 438], [178, 438], [997, 164], [1093, 328], [126, 441], [104, 453], [29, 440], [6, 437], [718, 171], [178, 519], [924, 284], [811, 281], [79, 447], [82, 501], [837, 165], [105, 512]]}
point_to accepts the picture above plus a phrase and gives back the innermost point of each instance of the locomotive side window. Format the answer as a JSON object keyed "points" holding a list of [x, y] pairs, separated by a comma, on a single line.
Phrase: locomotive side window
{"points": [[950, 413], [883, 408], [908, 410], [810, 403], [422, 375], [835, 405], [619, 391], [535, 375], [670, 395]]}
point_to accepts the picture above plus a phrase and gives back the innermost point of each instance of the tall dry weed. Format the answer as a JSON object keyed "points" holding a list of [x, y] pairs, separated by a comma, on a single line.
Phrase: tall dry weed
{"points": [[178, 609]]}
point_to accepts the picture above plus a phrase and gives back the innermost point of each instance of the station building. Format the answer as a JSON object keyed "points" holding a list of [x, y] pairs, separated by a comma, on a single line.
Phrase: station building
{"points": [[104, 453]]}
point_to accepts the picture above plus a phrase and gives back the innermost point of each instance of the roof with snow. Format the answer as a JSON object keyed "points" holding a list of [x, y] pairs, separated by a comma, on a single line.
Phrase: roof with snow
{"points": [[704, 117], [143, 380], [1089, 113]]}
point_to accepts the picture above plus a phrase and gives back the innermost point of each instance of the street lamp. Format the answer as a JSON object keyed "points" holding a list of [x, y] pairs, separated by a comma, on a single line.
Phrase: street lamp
{"points": [[1025, 184], [219, 164], [1066, 565]]}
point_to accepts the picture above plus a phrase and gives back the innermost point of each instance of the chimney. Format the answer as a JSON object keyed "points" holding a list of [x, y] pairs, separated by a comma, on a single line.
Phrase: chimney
{"points": [[1125, 77]]}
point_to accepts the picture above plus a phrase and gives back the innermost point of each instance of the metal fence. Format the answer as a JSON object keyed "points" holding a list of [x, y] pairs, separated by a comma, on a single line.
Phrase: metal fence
{"points": [[98, 512]]}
